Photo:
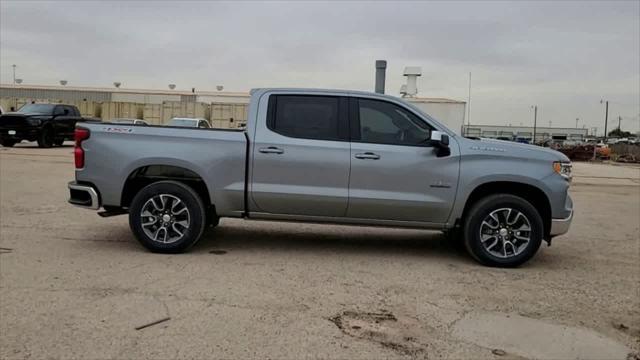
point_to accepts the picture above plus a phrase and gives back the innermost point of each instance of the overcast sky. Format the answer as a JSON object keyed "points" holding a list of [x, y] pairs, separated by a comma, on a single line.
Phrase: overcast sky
{"points": [[562, 56]]}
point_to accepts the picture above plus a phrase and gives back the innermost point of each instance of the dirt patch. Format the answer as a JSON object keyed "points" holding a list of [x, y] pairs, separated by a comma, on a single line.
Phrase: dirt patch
{"points": [[399, 334], [537, 339]]}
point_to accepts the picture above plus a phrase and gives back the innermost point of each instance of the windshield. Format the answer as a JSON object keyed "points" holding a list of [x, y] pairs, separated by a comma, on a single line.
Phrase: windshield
{"points": [[183, 122], [43, 109]]}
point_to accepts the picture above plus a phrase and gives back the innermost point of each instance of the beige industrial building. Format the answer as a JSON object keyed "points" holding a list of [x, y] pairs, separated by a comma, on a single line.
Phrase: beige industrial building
{"points": [[223, 109]]}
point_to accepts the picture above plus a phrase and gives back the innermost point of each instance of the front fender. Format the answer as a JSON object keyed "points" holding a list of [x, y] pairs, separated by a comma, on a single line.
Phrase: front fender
{"points": [[477, 170]]}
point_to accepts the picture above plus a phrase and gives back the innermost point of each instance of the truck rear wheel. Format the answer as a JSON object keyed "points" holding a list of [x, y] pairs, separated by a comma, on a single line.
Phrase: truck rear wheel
{"points": [[167, 217], [502, 230]]}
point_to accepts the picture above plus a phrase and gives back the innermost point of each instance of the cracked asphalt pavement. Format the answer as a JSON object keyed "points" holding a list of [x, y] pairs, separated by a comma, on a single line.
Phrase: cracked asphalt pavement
{"points": [[74, 285]]}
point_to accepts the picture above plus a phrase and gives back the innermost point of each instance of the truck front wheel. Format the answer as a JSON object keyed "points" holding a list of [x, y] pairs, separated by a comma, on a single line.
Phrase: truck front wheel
{"points": [[502, 230], [7, 142], [46, 137], [167, 217]]}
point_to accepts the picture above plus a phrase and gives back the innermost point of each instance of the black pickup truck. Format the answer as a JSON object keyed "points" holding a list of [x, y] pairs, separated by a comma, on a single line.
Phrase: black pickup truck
{"points": [[48, 124]]}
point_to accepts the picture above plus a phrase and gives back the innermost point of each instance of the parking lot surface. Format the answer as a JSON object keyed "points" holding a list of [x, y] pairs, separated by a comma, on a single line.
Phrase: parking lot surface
{"points": [[74, 285]]}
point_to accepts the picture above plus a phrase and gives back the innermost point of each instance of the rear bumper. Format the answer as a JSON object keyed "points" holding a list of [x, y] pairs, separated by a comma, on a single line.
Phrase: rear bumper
{"points": [[83, 195]]}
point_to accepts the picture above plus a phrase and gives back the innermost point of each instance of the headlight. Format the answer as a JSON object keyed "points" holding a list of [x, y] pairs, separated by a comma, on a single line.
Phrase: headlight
{"points": [[34, 122], [563, 169]]}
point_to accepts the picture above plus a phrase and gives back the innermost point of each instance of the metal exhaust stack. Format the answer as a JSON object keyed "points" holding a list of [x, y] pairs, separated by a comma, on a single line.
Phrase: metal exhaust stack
{"points": [[381, 69]]}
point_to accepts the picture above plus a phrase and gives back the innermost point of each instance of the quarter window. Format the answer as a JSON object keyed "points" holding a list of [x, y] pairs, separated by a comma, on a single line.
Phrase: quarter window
{"points": [[309, 117], [382, 122]]}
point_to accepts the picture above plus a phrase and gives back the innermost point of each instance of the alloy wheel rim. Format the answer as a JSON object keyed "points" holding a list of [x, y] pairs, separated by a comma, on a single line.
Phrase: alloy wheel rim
{"points": [[165, 218], [505, 233]]}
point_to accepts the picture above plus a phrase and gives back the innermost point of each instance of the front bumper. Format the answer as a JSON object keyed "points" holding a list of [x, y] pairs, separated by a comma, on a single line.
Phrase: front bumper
{"points": [[19, 134], [561, 226], [83, 195]]}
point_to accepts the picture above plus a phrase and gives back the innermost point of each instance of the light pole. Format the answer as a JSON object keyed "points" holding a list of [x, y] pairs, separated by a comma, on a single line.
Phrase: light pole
{"points": [[606, 116], [535, 120], [577, 119], [14, 73], [619, 121]]}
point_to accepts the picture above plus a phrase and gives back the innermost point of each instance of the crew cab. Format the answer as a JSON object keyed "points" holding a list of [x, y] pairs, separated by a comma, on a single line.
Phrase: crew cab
{"points": [[48, 124], [326, 156]]}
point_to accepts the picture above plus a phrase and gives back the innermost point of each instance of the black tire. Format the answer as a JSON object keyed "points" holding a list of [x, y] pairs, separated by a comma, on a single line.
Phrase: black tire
{"points": [[455, 238], [59, 142], [7, 142], [192, 202], [46, 137], [212, 218], [481, 210]]}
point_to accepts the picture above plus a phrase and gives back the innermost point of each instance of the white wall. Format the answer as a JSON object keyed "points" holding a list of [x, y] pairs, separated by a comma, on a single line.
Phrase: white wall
{"points": [[450, 114]]}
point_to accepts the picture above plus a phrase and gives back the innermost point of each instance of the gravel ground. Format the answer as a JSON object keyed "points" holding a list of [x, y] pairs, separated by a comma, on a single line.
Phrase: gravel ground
{"points": [[73, 285]]}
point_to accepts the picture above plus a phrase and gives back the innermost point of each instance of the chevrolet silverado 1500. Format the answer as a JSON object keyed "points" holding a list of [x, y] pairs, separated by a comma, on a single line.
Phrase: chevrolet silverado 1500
{"points": [[326, 156]]}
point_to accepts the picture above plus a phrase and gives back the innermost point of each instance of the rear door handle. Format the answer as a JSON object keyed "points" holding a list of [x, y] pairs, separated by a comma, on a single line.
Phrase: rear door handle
{"points": [[368, 155], [271, 150]]}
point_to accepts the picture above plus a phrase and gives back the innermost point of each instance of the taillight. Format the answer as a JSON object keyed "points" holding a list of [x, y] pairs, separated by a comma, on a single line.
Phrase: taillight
{"points": [[81, 134]]}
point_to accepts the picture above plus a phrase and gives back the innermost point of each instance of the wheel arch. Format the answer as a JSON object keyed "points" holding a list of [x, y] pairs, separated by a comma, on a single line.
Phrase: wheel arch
{"points": [[145, 175], [534, 195]]}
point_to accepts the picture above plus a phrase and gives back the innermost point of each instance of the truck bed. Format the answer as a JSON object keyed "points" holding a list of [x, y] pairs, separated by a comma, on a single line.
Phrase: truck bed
{"points": [[115, 151]]}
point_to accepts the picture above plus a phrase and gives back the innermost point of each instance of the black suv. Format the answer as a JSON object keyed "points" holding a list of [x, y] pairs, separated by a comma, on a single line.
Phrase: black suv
{"points": [[48, 124]]}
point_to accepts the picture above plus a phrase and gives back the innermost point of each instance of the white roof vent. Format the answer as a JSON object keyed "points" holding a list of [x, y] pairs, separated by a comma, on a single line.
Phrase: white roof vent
{"points": [[411, 88]]}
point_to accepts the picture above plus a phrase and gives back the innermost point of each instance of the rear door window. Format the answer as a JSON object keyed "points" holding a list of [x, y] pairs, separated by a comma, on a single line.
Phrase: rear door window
{"points": [[308, 116], [71, 111]]}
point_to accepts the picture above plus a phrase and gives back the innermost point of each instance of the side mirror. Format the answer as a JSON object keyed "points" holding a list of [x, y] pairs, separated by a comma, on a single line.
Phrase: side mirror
{"points": [[438, 138], [440, 141]]}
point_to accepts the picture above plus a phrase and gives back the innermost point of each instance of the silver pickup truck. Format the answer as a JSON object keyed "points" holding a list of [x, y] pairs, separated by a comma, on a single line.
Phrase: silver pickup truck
{"points": [[340, 157]]}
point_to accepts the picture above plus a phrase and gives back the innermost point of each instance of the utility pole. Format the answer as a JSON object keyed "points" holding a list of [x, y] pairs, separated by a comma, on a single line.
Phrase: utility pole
{"points": [[469, 103], [606, 116], [619, 121], [14, 73], [535, 120]]}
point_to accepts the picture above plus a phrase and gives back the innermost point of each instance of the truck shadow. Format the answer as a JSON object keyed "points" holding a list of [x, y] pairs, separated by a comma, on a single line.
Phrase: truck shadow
{"points": [[234, 236]]}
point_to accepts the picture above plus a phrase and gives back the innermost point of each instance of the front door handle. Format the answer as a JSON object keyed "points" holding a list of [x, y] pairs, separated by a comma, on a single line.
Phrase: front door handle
{"points": [[271, 150], [368, 155]]}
